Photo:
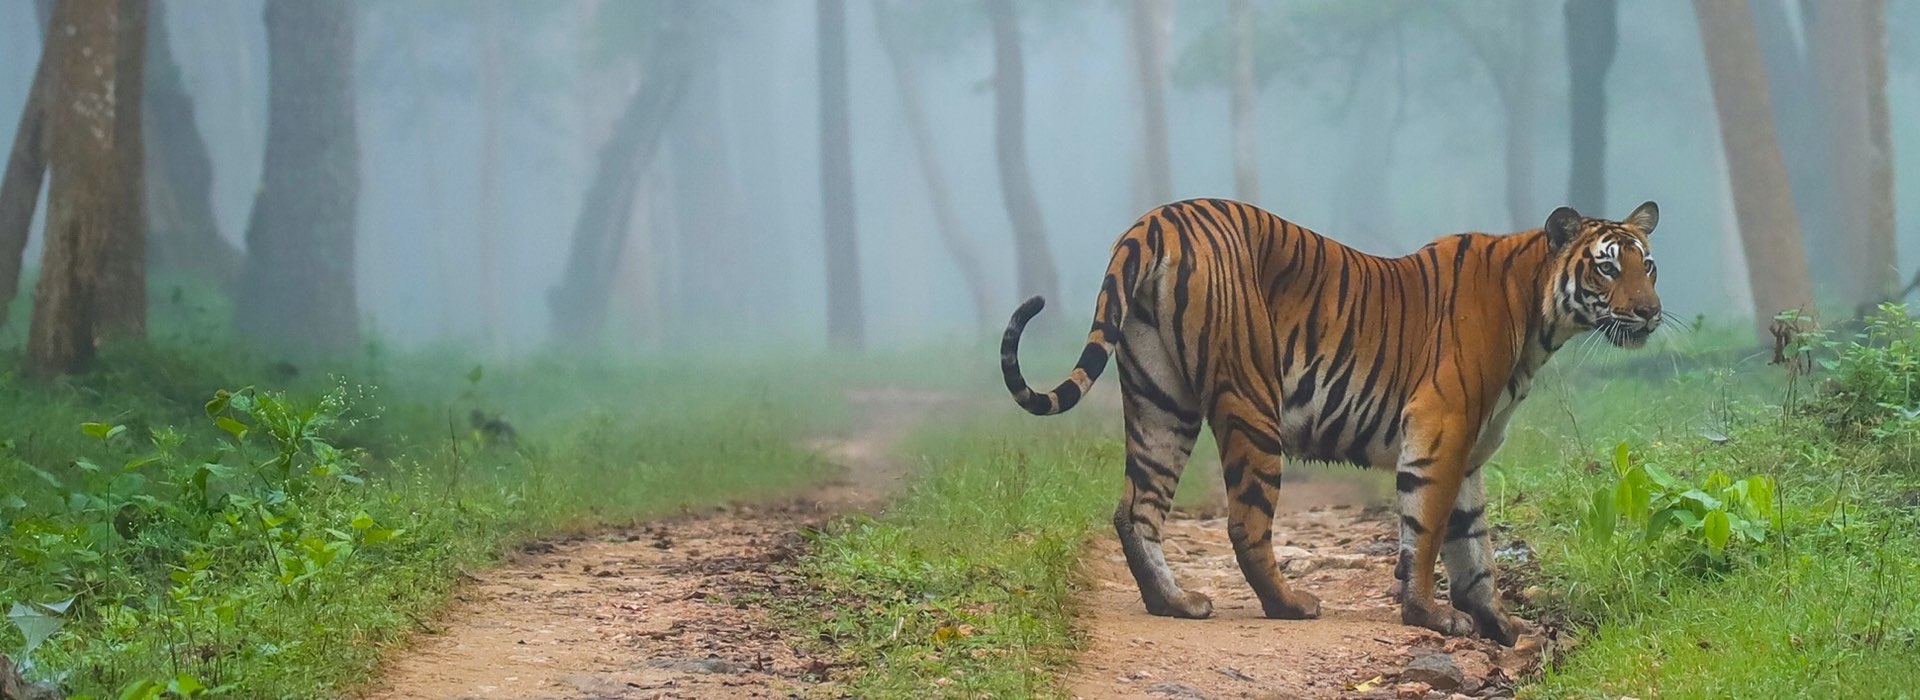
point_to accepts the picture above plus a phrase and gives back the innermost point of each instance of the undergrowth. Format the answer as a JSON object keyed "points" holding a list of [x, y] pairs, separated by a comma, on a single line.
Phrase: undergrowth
{"points": [[962, 588], [195, 522]]}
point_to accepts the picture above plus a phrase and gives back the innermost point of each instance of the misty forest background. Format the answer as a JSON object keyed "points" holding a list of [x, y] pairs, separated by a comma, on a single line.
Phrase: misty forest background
{"points": [[504, 177]]}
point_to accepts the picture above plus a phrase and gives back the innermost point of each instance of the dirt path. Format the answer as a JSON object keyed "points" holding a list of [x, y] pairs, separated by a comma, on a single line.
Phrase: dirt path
{"points": [[1338, 541], [650, 612]]}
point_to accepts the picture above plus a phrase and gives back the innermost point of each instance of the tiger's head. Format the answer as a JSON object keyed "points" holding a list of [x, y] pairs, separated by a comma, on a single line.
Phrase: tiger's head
{"points": [[1604, 274]]}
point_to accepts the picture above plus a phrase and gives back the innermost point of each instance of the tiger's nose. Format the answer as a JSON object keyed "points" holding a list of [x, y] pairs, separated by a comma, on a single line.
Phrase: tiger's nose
{"points": [[1647, 312]]}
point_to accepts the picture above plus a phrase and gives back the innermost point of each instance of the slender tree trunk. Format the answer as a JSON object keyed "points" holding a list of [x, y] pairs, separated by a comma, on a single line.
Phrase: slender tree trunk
{"points": [[1246, 161], [492, 113], [1034, 262], [711, 298], [297, 285], [845, 323], [1591, 36], [578, 304], [183, 236], [906, 83], [123, 279], [1859, 266], [1152, 23], [1518, 92], [84, 195], [1881, 235], [26, 170], [1763, 199]]}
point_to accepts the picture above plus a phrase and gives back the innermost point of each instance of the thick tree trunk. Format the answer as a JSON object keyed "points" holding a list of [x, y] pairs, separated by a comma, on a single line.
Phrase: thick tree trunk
{"points": [[1881, 235], [578, 304], [845, 318], [1034, 262], [84, 191], [1591, 37], [297, 286], [1762, 197], [123, 279], [946, 222], [26, 172], [1798, 118], [1246, 161], [1859, 266], [1152, 23], [182, 234]]}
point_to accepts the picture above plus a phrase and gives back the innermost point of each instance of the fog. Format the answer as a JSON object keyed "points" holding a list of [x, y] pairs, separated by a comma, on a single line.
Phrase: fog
{"points": [[480, 128]]}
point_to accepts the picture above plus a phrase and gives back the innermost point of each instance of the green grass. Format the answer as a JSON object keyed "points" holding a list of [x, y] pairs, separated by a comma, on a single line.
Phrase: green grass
{"points": [[385, 504], [962, 589]]}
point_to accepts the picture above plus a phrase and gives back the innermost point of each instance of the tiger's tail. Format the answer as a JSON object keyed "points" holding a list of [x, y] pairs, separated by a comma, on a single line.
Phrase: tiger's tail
{"points": [[1110, 310]]}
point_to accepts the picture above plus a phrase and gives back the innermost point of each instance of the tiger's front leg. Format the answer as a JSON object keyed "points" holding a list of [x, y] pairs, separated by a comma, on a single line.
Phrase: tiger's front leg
{"points": [[1433, 465], [1468, 553]]}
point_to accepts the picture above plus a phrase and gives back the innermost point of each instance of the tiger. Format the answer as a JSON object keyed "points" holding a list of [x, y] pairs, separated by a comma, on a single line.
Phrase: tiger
{"points": [[1288, 344]]}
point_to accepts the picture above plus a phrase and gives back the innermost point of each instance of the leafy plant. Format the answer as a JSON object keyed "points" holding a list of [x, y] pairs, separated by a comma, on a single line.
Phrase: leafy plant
{"points": [[1714, 513]]}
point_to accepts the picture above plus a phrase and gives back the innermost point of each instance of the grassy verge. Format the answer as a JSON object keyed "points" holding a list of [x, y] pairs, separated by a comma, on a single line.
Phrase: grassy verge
{"points": [[962, 588], [274, 543], [1812, 594]]}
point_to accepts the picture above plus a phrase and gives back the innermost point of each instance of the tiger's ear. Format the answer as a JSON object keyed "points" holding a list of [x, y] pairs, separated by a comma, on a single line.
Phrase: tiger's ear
{"points": [[1645, 217], [1562, 225]]}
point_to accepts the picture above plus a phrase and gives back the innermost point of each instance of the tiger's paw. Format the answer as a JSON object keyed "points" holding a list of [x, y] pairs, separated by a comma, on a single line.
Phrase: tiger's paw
{"points": [[1301, 605], [1498, 626], [1433, 616], [1187, 605]]}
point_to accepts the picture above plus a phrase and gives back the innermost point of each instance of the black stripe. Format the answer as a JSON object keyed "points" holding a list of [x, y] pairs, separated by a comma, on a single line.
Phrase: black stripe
{"points": [[1413, 524], [1409, 482], [1460, 524]]}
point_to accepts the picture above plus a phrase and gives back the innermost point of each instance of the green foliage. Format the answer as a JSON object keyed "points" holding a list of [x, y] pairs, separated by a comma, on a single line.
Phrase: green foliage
{"points": [[269, 542], [1710, 515]]}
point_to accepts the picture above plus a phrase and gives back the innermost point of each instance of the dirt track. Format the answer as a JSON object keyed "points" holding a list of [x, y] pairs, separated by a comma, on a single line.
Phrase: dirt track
{"points": [[649, 612], [1337, 541]]}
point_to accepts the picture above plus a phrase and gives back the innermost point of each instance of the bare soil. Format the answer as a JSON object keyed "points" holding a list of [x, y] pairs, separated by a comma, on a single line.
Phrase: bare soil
{"points": [[652, 611], [1336, 537]]}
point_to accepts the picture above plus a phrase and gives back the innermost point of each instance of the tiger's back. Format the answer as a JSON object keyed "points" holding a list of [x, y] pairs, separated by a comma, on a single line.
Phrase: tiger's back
{"points": [[1288, 343]]}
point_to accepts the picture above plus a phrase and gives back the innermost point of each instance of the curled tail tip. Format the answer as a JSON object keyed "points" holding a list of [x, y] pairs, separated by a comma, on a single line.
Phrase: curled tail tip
{"points": [[1030, 307]]}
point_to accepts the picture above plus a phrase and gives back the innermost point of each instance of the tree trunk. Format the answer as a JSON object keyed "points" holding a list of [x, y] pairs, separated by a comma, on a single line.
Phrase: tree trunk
{"points": [[578, 304], [946, 222], [182, 234], [123, 279], [84, 193], [845, 325], [1152, 23], [1246, 161], [711, 300], [1034, 263], [1591, 37], [26, 171], [1798, 118], [1763, 200], [1880, 232], [297, 286], [1859, 264]]}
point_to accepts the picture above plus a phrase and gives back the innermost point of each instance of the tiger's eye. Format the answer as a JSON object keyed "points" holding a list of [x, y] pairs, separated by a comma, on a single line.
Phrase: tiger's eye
{"points": [[1608, 268]]}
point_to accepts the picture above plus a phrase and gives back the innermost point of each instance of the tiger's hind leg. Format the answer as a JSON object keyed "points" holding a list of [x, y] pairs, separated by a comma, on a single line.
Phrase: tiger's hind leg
{"points": [[1163, 420], [1250, 461]]}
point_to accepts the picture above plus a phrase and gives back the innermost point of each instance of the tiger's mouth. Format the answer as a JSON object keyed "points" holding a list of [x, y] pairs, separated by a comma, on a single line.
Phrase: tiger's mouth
{"points": [[1627, 336]]}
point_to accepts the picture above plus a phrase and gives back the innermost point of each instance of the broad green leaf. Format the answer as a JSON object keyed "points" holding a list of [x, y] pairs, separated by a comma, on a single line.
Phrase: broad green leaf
{"points": [[362, 521], [97, 430], [237, 428], [374, 537], [1620, 461], [1717, 529], [474, 375], [186, 684]]}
